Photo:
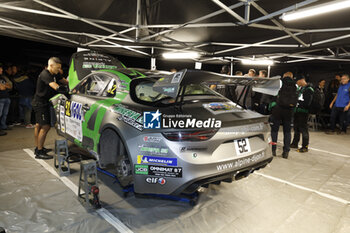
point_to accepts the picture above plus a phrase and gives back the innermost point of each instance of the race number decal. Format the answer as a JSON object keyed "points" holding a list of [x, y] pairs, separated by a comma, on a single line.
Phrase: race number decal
{"points": [[112, 90], [68, 110], [242, 146]]}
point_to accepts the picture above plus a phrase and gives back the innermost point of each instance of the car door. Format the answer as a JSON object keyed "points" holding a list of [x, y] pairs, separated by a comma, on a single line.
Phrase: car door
{"points": [[81, 109]]}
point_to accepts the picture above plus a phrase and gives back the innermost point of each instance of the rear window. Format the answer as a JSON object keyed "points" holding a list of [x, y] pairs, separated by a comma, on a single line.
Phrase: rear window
{"points": [[143, 92]]}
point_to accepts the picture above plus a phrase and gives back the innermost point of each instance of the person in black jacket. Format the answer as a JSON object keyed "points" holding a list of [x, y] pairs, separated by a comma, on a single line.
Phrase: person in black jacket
{"points": [[305, 93], [282, 112]]}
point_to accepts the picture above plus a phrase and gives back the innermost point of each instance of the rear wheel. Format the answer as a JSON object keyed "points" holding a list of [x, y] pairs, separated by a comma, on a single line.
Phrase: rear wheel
{"points": [[113, 152]]}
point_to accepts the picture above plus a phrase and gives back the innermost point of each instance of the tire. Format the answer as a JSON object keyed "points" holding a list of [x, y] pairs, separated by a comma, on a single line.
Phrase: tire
{"points": [[113, 151]]}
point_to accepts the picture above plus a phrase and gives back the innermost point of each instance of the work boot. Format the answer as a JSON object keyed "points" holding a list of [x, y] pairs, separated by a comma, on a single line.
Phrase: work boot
{"points": [[285, 155], [294, 146], [44, 149], [41, 154], [2, 133], [303, 149], [341, 132]]}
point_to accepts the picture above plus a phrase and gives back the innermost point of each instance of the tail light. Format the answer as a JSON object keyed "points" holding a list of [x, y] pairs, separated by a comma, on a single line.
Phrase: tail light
{"points": [[197, 135]]}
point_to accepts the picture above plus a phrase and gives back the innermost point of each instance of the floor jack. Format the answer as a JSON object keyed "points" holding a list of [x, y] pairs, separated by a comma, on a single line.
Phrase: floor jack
{"points": [[88, 189], [187, 198]]}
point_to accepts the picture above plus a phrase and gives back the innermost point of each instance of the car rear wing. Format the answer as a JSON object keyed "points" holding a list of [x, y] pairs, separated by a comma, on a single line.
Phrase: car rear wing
{"points": [[170, 84]]}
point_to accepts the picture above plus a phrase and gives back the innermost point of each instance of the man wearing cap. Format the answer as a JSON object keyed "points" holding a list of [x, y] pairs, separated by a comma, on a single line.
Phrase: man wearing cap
{"points": [[5, 87], [301, 115], [46, 88]]}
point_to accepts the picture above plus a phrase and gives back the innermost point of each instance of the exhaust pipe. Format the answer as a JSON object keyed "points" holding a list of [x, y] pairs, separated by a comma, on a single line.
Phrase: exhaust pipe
{"points": [[242, 174]]}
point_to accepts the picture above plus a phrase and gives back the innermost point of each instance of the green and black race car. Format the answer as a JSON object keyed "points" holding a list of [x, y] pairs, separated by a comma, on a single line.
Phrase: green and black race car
{"points": [[164, 133]]}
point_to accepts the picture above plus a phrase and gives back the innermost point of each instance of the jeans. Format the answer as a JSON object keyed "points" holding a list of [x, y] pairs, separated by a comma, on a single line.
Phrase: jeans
{"points": [[4, 110], [339, 113], [301, 126], [281, 116], [25, 109]]}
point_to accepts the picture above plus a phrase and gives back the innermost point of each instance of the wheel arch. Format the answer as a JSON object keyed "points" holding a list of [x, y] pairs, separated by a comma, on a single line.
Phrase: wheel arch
{"points": [[120, 139]]}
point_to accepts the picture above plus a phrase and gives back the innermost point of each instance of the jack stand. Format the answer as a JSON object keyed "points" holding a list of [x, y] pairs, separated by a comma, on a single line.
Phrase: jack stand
{"points": [[192, 198], [88, 184], [62, 167]]}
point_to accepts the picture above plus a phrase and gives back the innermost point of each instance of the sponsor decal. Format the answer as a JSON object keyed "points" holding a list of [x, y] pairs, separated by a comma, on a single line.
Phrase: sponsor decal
{"points": [[156, 180], [220, 107], [133, 118], [184, 149], [152, 170], [153, 120], [152, 139], [154, 150], [62, 116], [241, 162], [168, 89], [144, 159], [191, 123], [177, 77], [73, 119], [141, 169], [175, 172]]}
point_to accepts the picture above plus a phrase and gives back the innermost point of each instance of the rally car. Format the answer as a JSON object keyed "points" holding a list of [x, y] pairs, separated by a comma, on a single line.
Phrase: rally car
{"points": [[163, 133]]}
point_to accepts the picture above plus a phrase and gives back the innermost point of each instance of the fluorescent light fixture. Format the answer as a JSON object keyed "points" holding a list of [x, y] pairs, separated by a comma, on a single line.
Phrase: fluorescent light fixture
{"points": [[316, 10], [181, 55], [258, 62]]}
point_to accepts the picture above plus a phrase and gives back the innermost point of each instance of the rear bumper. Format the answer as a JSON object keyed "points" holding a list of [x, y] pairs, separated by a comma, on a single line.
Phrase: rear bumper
{"points": [[230, 176]]}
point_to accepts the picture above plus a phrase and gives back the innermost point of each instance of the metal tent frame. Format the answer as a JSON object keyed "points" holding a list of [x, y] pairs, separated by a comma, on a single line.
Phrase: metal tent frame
{"points": [[155, 42]]}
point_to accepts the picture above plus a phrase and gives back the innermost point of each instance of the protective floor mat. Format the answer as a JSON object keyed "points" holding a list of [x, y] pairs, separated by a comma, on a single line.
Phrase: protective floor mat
{"points": [[307, 193]]}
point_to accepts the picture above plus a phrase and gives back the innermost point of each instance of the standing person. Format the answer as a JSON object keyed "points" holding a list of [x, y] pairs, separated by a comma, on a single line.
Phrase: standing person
{"points": [[282, 110], [5, 87], [301, 116], [25, 87], [258, 105], [332, 90], [46, 88], [244, 93], [340, 105], [13, 117]]}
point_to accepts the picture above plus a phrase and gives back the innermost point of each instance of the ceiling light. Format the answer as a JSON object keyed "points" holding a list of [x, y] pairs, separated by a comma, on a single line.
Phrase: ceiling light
{"points": [[257, 62], [316, 10], [181, 55]]}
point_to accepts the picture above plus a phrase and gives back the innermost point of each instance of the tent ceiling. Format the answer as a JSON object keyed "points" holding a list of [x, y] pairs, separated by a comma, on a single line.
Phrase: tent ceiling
{"points": [[219, 29]]}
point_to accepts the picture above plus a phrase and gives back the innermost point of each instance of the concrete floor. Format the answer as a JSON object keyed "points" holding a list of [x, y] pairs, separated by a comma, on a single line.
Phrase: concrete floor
{"points": [[306, 193]]}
